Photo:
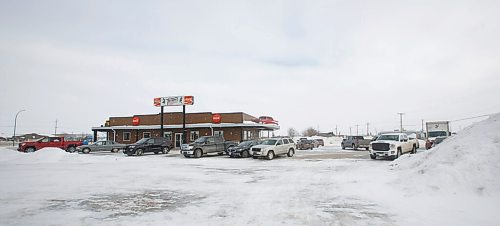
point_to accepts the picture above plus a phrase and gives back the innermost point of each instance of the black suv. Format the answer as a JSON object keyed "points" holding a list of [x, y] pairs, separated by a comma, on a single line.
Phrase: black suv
{"points": [[156, 145]]}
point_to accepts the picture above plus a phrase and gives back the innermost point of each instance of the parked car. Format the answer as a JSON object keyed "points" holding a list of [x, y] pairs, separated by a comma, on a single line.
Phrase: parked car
{"points": [[392, 145], [205, 145], [355, 142], [305, 144], [153, 144], [438, 140], [320, 142], [104, 145], [272, 147], [243, 149], [55, 142]]}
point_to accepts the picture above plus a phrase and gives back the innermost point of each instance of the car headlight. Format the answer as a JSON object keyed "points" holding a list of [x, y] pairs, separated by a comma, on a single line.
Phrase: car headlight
{"points": [[393, 146], [190, 147]]}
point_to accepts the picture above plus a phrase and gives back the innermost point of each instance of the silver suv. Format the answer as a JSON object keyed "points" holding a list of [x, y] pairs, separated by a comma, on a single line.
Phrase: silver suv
{"points": [[274, 146]]}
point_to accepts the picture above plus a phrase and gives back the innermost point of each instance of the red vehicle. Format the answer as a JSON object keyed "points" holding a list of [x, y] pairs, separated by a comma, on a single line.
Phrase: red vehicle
{"points": [[55, 142], [266, 120]]}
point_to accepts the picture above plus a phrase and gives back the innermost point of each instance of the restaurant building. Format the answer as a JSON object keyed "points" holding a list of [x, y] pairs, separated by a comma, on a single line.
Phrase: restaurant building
{"points": [[236, 126]]}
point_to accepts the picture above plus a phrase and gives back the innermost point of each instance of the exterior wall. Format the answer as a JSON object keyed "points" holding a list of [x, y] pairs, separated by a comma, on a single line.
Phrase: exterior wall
{"points": [[175, 118]]}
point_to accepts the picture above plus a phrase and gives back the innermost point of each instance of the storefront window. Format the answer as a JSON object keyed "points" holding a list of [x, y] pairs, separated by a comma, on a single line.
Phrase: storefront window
{"points": [[126, 136], [194, 135], [219, 133], [168, 135], [146, 135]]}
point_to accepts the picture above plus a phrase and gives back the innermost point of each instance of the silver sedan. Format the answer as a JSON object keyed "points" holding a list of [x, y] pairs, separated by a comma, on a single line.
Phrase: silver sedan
{"points": [[103, 145]]}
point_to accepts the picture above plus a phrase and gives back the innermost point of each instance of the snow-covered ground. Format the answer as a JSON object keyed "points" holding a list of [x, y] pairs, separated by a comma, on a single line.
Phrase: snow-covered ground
{"points": [[457, 183]]}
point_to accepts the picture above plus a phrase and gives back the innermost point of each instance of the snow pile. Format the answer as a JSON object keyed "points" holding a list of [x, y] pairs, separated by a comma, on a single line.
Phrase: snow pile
{"points": [[44, 155], [468, 162]]}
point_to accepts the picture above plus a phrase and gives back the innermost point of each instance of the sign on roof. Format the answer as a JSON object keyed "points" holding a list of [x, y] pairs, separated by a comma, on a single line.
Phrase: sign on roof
{"points": [[173, 101]]}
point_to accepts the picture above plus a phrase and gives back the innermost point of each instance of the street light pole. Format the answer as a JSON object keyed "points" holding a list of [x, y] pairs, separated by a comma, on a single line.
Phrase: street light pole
{"points": [[15, 124]]}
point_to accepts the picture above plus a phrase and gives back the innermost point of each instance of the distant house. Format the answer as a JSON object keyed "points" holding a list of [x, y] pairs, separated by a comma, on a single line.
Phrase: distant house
{"points": [[327, 134]]}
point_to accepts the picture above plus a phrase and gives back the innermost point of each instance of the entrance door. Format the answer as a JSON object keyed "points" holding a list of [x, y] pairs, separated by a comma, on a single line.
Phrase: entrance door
{"points": [[178, 139]]}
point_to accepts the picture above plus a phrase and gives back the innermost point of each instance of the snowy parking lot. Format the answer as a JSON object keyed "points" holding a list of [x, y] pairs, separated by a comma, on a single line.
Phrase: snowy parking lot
{"points": [[328, 186]]}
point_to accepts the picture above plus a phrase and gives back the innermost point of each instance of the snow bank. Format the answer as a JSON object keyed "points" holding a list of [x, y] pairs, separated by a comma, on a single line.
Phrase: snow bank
{"points": [[468, 162], [44, 155]]}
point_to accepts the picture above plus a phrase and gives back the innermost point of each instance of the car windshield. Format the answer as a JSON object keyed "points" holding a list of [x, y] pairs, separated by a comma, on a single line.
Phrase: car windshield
{"points": [[245, 143], [389, 137], [437, 134], [200, 140], [269, 142], [142, 141]]}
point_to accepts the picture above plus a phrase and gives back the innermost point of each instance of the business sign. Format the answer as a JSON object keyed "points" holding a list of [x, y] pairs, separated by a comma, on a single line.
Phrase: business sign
{"points": [[173, 101], [136, 120], [216, 118]]}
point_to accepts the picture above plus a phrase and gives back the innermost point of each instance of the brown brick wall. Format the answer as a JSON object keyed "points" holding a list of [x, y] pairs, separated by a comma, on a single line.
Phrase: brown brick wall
{"points": [[175, 118]]}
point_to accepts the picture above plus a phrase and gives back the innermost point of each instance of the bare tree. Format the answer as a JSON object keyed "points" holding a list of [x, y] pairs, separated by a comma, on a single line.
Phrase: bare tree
{"points": [[292, 132], [310, 132]]}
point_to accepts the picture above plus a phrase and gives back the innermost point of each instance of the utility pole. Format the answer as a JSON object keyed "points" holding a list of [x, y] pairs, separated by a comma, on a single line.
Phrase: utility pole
{"points": [[422, 125], [350, 131], [15, 124], [55, 129], [401, 121], [357, 130], [368, 129], [336, 130]]}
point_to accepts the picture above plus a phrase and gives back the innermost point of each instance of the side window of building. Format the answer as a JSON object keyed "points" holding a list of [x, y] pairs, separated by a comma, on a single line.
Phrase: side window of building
{"points": [[219, 133], [146, 135], [194, 135], [126, 136], [168, 135]]}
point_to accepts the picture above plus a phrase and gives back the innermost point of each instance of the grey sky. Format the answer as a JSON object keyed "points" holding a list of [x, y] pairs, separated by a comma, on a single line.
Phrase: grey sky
{"points": [[306, 63]]}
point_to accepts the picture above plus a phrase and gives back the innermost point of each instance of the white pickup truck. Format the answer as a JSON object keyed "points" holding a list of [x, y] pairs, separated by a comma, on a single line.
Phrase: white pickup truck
{"points": [[392, 145]]}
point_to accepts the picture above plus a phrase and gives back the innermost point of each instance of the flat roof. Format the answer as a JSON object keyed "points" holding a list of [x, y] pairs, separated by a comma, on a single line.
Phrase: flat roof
{"points": [[190, 126]]}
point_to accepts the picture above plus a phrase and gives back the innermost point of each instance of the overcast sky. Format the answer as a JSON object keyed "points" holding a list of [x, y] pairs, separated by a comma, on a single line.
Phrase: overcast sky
{"points": [[305, 63]]}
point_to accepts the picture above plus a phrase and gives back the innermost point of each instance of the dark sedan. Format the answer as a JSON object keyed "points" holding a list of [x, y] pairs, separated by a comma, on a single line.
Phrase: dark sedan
{"points": [[243, 149]]}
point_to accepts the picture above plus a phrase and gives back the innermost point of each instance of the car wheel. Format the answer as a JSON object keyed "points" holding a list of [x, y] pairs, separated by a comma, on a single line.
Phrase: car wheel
{"points": [[290, 152], [414, 150], [86, 150], [354, 147], [71, 149], [373, 156], [244, 154], [398, 154], [343, 147], [139, 152], [30, 149], [165, 150], [367, 149], [198, 153], [270, 155]]}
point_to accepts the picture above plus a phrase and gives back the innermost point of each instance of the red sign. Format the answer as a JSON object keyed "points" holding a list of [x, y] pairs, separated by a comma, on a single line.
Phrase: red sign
{"points": [[188, 100], [135, 121], [216, 118]]}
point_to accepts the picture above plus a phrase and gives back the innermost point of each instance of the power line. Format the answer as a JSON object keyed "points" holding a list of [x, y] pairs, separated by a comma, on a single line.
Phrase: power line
{"points": [[480, 116]]}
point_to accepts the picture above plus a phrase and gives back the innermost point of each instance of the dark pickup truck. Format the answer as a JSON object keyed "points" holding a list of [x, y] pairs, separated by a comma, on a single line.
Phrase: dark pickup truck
{"points": [[355, 142], [52, 142], [205, 145]]}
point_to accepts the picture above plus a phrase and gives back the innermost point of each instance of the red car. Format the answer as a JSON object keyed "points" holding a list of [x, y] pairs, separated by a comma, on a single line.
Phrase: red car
{"points": [[266, 120], [56, 142]]}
